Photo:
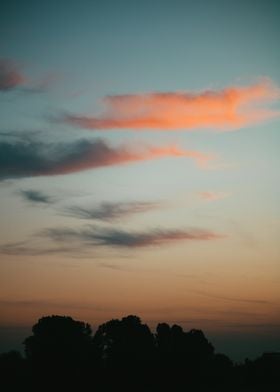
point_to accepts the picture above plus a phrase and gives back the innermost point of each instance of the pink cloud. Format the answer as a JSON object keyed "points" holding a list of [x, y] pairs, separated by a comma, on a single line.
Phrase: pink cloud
{"points": [[10, 76], [230, 108], [208, 195]]}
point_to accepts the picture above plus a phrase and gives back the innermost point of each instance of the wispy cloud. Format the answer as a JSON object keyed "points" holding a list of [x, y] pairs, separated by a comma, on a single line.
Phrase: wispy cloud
{"points": [[83, 242], [212, 196], [114, 267], [36, 197], [28, 158], [231, 108], [41, 85], [232, 299], [12, 78], [109, 211], [96, 236], [32, 248], [10, 75], [50, 303]]}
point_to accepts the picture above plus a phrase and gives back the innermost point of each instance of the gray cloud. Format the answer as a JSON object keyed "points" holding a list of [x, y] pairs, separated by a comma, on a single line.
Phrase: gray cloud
{"points": [[36, 197], [95, 236], [84, 241], [22, 156], [109, 211], [29, 248]]}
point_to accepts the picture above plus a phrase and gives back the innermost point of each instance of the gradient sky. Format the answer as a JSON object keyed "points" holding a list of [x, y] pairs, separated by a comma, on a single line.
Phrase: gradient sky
{"points": [[139, 166]]}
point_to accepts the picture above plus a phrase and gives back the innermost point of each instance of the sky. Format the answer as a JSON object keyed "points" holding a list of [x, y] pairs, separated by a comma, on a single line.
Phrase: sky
{"points": [[139, 166]]}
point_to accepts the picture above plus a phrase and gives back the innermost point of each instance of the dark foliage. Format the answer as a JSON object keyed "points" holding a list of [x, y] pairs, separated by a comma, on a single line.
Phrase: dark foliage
{"points": [[62, 354]]}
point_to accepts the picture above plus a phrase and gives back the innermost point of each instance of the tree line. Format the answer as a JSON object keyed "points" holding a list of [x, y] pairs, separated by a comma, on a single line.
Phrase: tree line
{"points": [[124, 354]]}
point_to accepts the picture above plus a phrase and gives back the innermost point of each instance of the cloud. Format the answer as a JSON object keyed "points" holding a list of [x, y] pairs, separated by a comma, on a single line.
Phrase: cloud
{"points": [[29, 248], [95, 236], [114, 267], [110, 211], [10, 76], [50, 303], [34, 196], [230, 108], [82, 242], [41, 85], [232, 299], [212, 196], [24, 157]]}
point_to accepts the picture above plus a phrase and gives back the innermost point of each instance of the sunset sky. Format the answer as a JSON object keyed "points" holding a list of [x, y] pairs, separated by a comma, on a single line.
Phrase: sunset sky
{"points": [[139, 166]]}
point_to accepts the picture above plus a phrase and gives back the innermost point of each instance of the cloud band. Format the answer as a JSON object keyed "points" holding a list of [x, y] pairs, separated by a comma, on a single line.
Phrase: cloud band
{"points": [[230, 108]]}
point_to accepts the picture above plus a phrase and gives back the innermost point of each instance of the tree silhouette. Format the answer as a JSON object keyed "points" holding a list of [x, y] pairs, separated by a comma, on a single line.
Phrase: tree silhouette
{"points": [[126, 348], [181, 355], [59, 348], [13, 372], [123, 354], [124, 341]]}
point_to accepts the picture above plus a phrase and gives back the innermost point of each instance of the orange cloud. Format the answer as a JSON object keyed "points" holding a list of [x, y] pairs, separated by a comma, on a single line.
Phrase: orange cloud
{"points": [[230, 108], [201, 159]]}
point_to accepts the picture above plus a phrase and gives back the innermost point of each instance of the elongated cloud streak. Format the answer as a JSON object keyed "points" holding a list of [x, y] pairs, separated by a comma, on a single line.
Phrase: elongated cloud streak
{"points": [[212, 196], [82, 242], [110, 211], [231, 299], [93, 236], [231, 108], [27, 158]]}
